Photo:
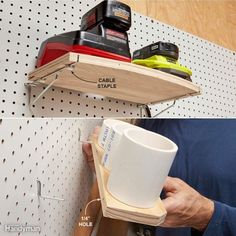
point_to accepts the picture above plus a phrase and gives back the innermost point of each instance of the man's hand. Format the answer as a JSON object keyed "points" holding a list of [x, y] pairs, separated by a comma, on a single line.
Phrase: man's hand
{"points": [[94, 208], [87, 150], [185, 206]]}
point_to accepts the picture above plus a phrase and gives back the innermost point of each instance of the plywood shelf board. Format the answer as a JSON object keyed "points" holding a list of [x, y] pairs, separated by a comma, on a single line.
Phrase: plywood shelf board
{"points": [[134, 83], [113, 208]]}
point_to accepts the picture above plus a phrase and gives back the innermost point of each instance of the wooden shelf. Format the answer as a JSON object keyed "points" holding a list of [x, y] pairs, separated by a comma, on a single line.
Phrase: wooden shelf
{"points": [[134, 83], [115, 209]]}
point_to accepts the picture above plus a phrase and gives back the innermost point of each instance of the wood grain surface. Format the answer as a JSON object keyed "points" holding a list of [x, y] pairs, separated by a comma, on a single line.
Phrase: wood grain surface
{"points": [[115, 209], [151, 86], [214, 20]]}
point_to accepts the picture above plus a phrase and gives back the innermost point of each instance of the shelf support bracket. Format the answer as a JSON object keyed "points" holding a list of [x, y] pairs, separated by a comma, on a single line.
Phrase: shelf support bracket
{"points": [[44, 91], [35, 83], [165, 109], [147, 109], [39, 194], [141, 109]]}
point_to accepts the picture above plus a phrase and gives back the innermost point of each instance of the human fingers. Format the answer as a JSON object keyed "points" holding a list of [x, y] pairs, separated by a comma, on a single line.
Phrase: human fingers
{"points": [[97, 130], [172, 184], [169, 204], [87, 149]]}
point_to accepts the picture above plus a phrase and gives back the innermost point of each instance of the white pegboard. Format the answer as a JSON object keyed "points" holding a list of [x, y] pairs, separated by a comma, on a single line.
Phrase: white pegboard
{"points": [[214, 70], [63, 102], [48, 150], [25, 24]]}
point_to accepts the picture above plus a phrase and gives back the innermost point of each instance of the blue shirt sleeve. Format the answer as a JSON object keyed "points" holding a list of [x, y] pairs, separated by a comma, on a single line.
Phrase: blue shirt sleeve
{"points": [[223, 222], [206, 161]]}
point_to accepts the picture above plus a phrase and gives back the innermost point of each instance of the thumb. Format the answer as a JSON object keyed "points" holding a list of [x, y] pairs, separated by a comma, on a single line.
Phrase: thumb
{"points": [[168, 203]]}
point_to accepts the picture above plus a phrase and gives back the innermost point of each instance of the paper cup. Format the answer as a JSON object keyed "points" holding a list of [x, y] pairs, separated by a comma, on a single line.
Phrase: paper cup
{"points": [[113, 140], [141, 163], [105, 131]]}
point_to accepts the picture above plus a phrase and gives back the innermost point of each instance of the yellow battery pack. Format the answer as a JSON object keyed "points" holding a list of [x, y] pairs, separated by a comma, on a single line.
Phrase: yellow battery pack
{"points": [[166, 64]]}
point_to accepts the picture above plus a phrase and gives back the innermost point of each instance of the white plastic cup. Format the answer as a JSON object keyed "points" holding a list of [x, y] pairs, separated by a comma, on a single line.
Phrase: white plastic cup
{"points": [[141, 163], [105, 131], [115, 135]]}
